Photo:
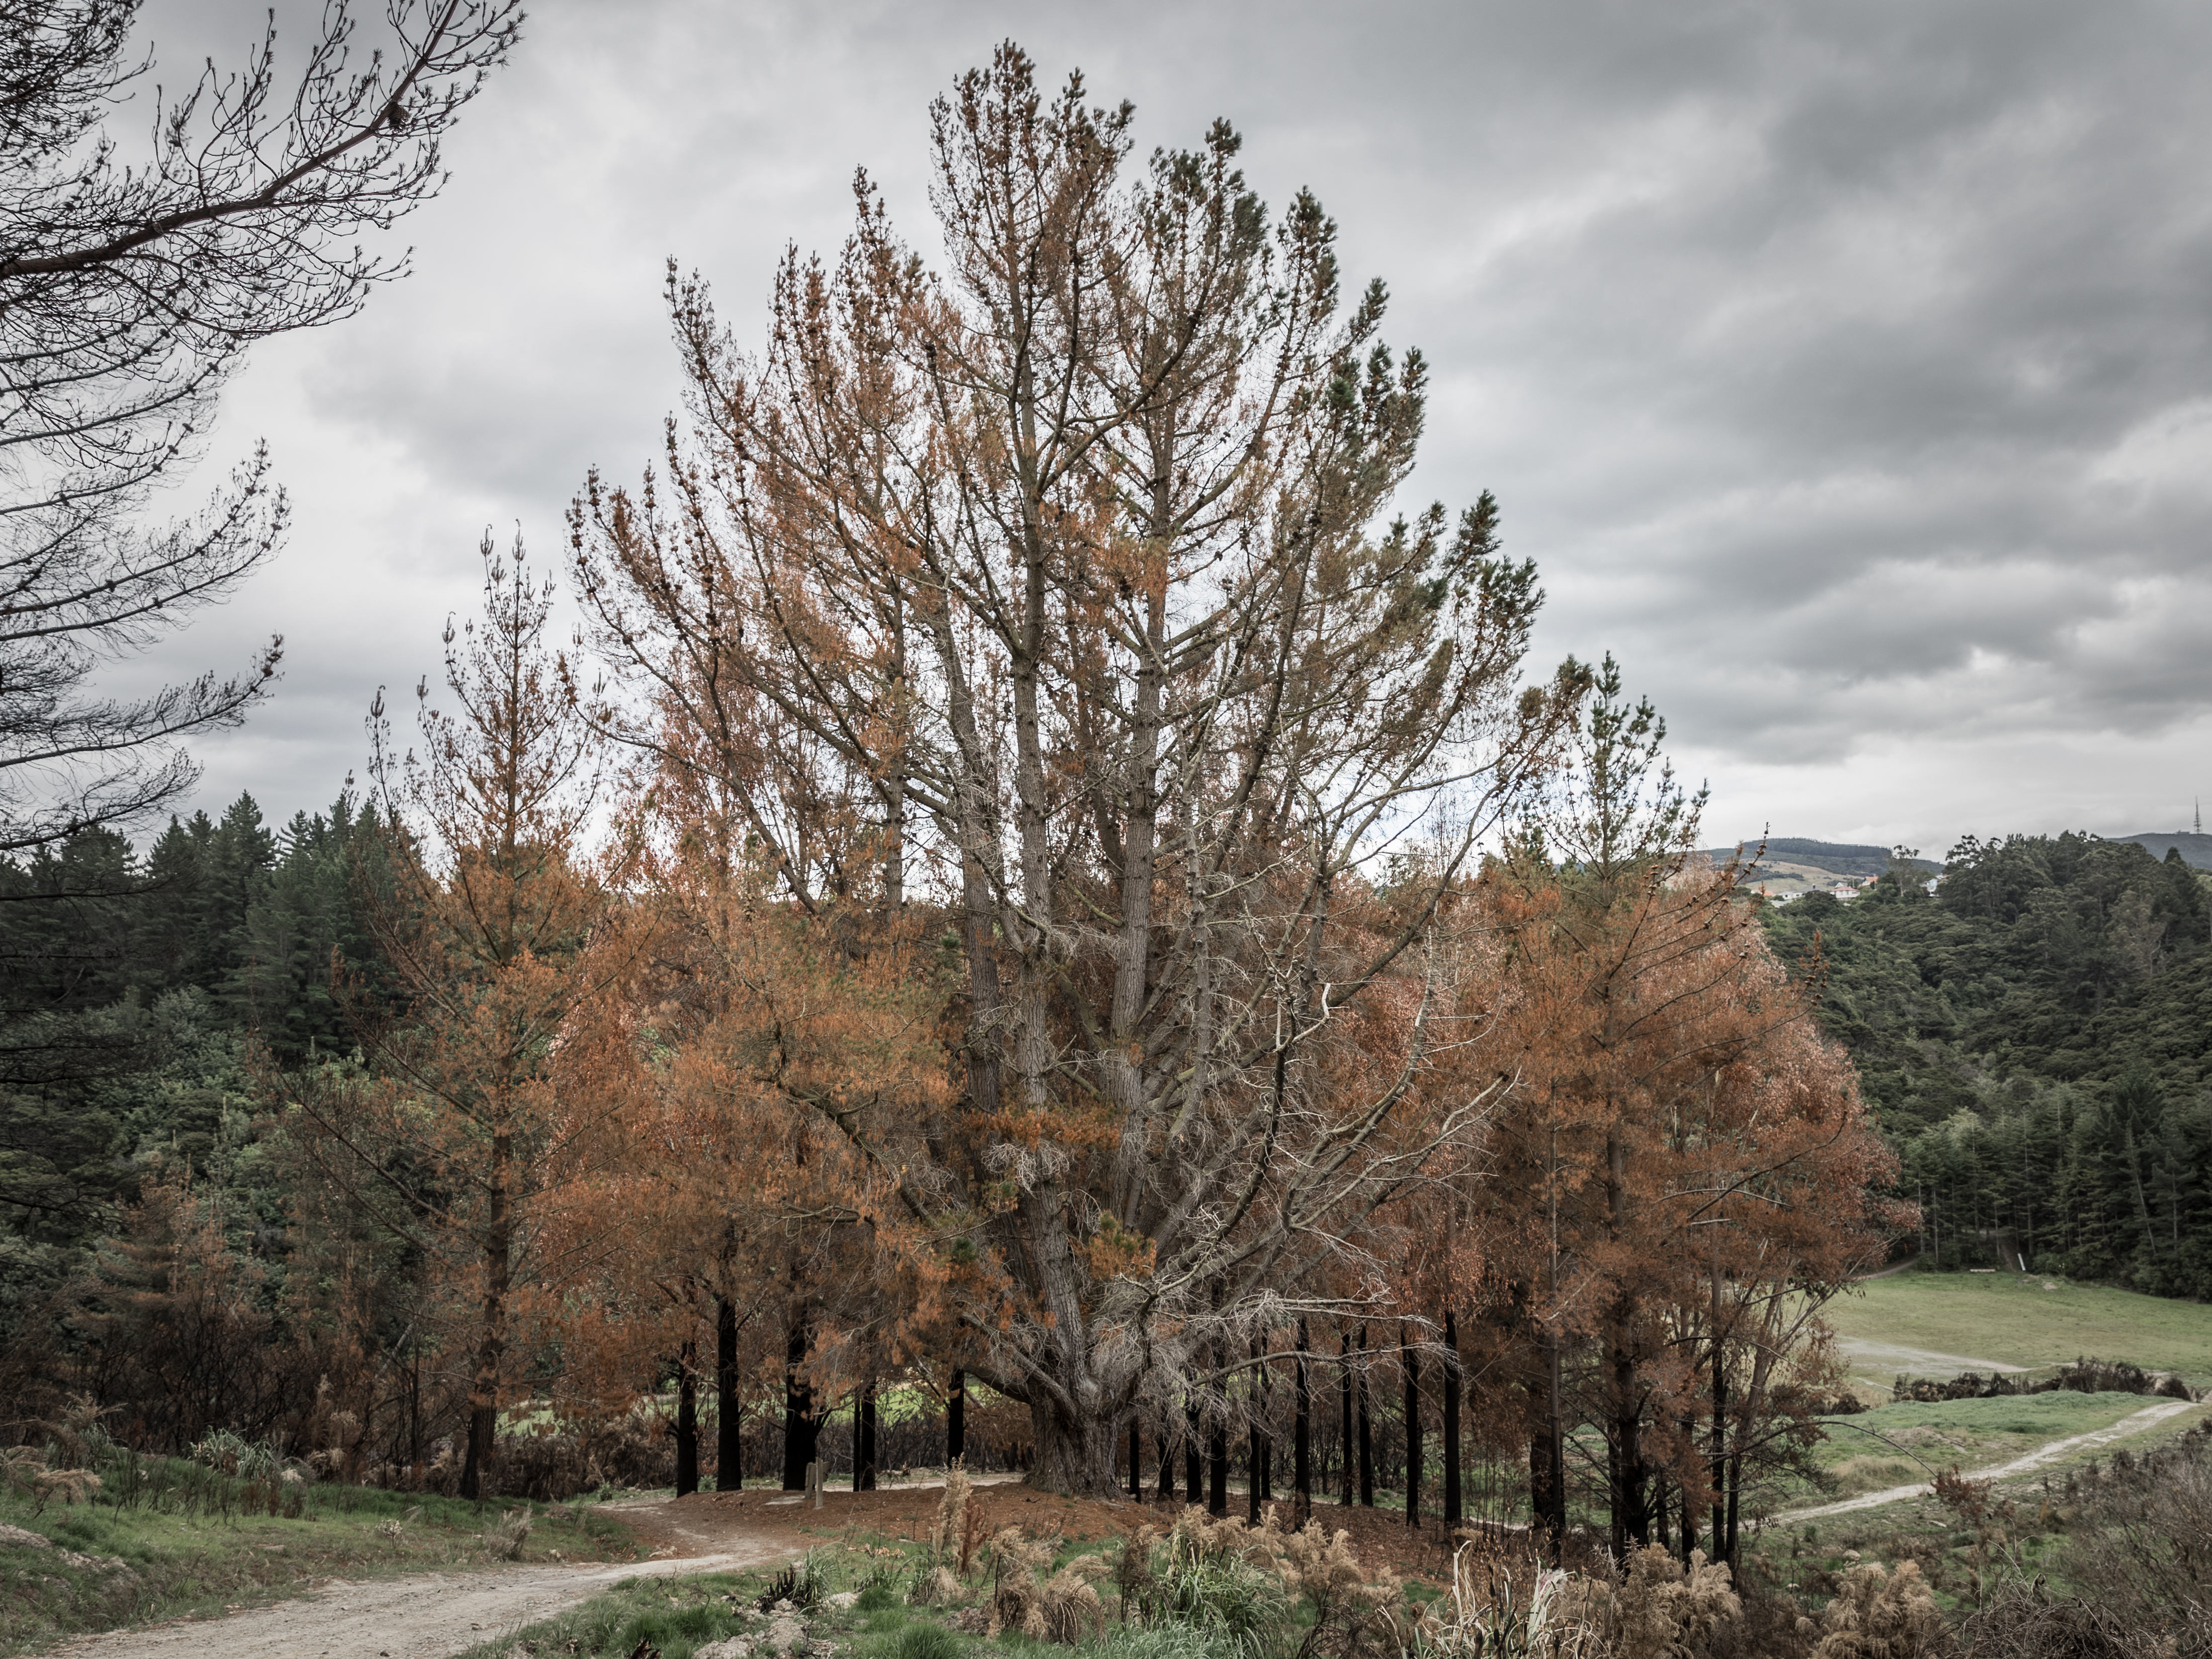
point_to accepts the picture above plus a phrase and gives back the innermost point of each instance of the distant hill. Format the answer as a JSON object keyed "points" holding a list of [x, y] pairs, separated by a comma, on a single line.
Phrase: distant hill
{"points": [[2195, 849], [1793, 854]]}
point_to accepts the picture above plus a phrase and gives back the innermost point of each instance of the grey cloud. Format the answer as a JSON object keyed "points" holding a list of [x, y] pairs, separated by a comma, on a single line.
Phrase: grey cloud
{"points": [[1847, 369]]}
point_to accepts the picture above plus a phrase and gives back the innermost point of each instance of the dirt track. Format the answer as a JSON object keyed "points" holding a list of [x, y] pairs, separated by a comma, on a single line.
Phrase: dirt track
{"points": [[2050, 1452], [429, 1615], [422, 1616]]}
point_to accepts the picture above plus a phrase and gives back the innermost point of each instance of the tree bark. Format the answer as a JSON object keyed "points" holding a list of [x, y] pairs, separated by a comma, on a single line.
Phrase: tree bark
{"points": [[799, 1428], [1136, 1463], [1081, 1458], [955, 1419], [1217, 1496], [1366, 1433], [1547, 1463], [729, 1417], [1344, 1389], [1194, 1479], [1412, 1362], [1302, 1435], [687, 1421], [1630, 1524], [499, 1266], [1454, 1513], [863, 1439]]}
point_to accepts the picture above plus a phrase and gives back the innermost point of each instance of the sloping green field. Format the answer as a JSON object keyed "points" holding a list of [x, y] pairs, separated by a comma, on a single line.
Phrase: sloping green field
{"points": [[1939, 1324]]}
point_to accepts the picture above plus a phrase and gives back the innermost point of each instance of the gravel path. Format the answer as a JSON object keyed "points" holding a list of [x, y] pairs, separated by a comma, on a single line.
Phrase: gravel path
{"points": [[1894, 1357], [2050, 1452], [424, 1616]]}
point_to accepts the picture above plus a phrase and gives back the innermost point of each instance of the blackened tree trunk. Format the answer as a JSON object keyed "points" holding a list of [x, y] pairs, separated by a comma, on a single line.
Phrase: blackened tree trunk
{"points": [[1735, 1490], [1344, 1380], [1165, 1486], [1302, 1434], [729, 1415], [1717, 1478], [1257, 1447], [687, 1421], [1194, 1479], [1547, 1465], [1217, 1498], [1454, 1513], [491, 1347], [1136, 1463], [955, 1419], [1366, 1433], [1412, 1362], [863, 1439], [1256, 1463], [800, 1426]]}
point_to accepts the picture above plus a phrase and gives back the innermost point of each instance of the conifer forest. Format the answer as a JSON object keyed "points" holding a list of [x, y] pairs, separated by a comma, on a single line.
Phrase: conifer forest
{"points": [[1043, 915]]}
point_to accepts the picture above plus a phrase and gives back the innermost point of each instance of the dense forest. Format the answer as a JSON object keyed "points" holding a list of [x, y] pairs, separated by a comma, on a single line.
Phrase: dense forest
{"points": [[2036, 1039]]}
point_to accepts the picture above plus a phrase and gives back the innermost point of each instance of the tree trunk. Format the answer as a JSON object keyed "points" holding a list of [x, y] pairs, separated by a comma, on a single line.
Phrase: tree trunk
{"points": [[1454, 1513], [955, 1419], [1165, 1486], [1217, 1496], [1136, 1463], [729, 1415], [1735, 1487], [1344, 1389], [863, 1439], [483, 1390], [1302, 1435], [1625, 1469], [1412, 1362], [1255, 1449], [1547, 1470], [1193, 1480], [799, 1428], [687, 1421], [1718, 1475], [1080, 1459], [1366, 1433]]}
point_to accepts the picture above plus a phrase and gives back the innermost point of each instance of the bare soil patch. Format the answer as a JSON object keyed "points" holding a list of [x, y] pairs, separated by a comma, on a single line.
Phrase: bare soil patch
{"points": [[705, 1521]]}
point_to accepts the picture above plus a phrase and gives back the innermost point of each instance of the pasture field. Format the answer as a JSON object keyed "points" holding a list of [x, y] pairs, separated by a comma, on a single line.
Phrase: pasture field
{"points": [[1927, 1323]]}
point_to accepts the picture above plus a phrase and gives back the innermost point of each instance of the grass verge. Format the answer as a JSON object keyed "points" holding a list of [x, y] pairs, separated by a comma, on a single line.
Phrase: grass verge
{"points": [[164, 1538]]}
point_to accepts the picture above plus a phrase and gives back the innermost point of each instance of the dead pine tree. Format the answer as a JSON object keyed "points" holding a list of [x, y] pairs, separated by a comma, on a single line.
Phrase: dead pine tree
{"points": [[1067, 561]]}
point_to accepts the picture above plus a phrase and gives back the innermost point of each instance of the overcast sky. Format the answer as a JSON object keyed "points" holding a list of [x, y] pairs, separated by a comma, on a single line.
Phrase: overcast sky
{"points": [[1846, 367]]}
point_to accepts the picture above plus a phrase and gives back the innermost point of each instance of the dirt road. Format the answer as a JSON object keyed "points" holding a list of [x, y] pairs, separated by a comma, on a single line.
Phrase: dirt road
{"points": [[2050, 1452], [429, 1615], [422, 1616]]}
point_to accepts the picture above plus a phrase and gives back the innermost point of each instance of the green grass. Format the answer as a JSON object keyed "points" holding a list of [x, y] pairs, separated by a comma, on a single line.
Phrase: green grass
{"points": [[191, 1545], [2015, 1321], [679, 1615], [1917, 1439]]}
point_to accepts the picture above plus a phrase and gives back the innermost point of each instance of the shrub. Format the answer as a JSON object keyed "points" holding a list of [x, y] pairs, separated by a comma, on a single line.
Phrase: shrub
{"points": [[2140, 1558], [504, 1542], [1660, 1608], [1063, 1607], [1881, 1615]]}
